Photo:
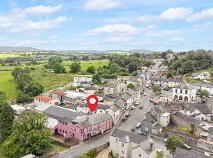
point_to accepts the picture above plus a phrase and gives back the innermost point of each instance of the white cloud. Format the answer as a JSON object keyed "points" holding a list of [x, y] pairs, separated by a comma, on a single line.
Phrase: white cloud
{"points": [[114, 29], [53, 37], [177, 39], [208, 24], [38, 10], [28, 25], [176, 13], [204, 14], [101, 4], [180, 13], [116, 39]]}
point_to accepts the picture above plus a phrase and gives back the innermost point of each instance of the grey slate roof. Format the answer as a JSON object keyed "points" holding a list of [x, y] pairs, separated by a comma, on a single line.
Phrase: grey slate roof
{"points": [[187, 118], [95, 118], [203, 108], [181, 153], [62, 114], [133, 137], [121, 102]]}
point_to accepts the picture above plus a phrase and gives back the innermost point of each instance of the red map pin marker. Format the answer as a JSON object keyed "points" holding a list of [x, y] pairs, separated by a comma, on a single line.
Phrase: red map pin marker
{"points": [[92, 101]]}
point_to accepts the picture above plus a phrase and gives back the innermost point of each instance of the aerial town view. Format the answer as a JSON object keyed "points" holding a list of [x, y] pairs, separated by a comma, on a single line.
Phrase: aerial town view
{"points": [[106, 79]]}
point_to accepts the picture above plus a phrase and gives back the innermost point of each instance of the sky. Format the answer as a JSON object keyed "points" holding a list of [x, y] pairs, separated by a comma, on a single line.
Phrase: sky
{"points": [[179, 25]]}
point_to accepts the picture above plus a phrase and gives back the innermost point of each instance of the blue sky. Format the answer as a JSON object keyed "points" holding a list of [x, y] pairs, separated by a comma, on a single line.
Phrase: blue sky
{"points": [[107, 24]]}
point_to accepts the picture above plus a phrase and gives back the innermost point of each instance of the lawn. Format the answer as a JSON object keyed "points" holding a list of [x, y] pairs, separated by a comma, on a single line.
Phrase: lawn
{"points": [[7, 84], [8, 55]]}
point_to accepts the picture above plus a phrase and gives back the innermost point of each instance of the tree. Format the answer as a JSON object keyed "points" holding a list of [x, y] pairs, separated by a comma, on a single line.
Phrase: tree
{"points": [[85, 58], [18, 71], [29, 136], [23, 80], [91, 69], [156, 89], [75, 67], [6, 118], [204, 93], [173, 142], [58, 68], [33, 89], [131, 86], [96, 79], [23, 98], [132, 67]]}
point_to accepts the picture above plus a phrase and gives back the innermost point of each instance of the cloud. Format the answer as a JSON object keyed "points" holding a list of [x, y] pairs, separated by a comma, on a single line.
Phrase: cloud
{"points": [[114, 29], [204, 14], [176, 13], [38, 10], [101, 4], [28, 25], [207, 25], [116, 39], [186, 14], [19, 21]]}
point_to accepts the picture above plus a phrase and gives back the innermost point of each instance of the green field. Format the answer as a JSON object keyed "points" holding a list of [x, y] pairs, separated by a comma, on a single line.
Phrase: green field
{"points": [[8, 55], [48, 79], [86, 64], [7, 84]]}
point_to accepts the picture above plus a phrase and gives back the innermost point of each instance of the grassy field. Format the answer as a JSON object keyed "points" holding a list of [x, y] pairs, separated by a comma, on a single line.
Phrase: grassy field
{"points": [[7, 84], [86, 64], [8, 55], [48, 79]]}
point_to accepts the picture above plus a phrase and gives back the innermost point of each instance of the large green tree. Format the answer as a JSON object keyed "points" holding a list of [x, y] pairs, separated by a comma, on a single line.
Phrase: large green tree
{"points": [[96, 79], [173, 142], [29, 136], [58, 68], [131, 86], [203, 93], [75, 67], [6, 117], [91, 69]]}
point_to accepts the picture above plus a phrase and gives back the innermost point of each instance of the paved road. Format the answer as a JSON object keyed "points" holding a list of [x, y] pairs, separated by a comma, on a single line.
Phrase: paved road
{"points": [[137, 115]]}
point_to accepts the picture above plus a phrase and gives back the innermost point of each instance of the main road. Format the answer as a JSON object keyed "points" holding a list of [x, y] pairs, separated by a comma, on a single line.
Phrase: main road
{"points": [[136, 115]]}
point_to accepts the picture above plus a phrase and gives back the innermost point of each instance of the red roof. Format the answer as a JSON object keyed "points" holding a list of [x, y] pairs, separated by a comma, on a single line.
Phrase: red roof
{"points": [[61, 93], [44, 98]]}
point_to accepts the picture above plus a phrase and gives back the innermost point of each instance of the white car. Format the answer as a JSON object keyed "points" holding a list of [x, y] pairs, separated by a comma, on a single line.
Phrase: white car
{"points": [[138, 125], [127, 114], [132, 108]]}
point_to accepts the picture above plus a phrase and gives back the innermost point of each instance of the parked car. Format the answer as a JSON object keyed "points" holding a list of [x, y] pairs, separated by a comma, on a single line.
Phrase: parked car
{"points": [[127, 114], [124, 118], [137, 103], [141, 107], [138, 125], [187, 147], [144, 94], [142, 133], [132, 107], [133, 129]]}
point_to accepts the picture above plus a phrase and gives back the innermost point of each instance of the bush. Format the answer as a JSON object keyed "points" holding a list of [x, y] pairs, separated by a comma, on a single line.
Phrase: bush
{"points": [[92, 153]]}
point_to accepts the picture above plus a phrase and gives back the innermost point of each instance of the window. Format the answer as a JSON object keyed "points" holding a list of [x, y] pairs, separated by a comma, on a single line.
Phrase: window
{"points": [[63, 131], [60, 130], [122, 144], [139, 155], [186, 91], [122, 152], [181, 91], [116, 140], [66, 132], [176, 90]]}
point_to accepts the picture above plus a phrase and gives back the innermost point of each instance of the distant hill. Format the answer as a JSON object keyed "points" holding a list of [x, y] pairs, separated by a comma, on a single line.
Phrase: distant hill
{"points": [[30, 49], [17, 49]]}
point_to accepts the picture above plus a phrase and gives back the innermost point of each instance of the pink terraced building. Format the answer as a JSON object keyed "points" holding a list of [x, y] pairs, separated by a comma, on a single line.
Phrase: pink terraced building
{"points": [[77, 125]]}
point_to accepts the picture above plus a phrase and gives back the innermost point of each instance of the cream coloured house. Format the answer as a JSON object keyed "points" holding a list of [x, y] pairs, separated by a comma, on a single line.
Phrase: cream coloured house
{"points": [[125, 144]]}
